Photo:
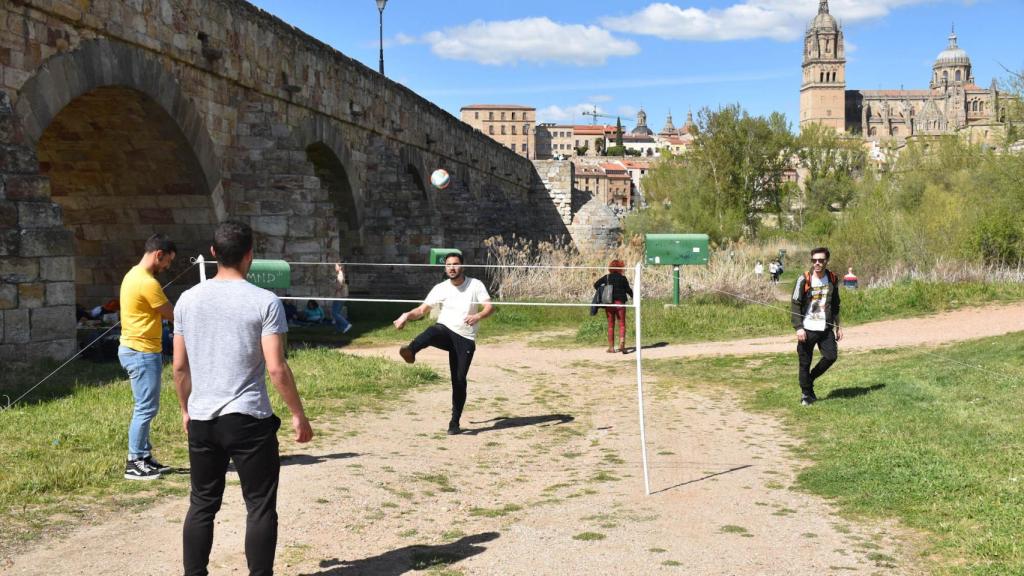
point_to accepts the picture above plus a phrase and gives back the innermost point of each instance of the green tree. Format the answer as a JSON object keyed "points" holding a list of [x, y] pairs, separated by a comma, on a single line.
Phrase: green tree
{"points": [[833, 163], [618, 131]]}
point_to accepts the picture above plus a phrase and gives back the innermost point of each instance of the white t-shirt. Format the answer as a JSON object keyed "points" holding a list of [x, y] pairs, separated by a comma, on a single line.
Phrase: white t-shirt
{"points": [[814, 316], [457, 302]]}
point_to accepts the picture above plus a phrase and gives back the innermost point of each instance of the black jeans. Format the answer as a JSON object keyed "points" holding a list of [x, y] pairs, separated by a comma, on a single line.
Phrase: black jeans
{"points": [[460, 356], [252, 444], [826, 343]]}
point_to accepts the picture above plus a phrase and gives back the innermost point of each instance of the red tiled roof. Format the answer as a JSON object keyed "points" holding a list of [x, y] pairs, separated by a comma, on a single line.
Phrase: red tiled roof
{"points": [[636, 164], [497, 107], [612, 167], [588, 130]]}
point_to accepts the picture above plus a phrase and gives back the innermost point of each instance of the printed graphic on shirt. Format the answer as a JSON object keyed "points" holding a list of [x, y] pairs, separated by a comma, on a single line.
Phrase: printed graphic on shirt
{"points": [[817, 300]]}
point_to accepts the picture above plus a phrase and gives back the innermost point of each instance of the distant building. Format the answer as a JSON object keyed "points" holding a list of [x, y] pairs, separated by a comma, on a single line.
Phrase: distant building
{"points": [[641, 125], [591, 178], [510, 125], [951, 104], [555, 140], [620, 186], [590, 136]]}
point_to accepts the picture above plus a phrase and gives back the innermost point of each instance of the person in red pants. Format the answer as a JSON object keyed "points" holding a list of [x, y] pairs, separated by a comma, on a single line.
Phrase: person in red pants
{"points": [[620, 292]]}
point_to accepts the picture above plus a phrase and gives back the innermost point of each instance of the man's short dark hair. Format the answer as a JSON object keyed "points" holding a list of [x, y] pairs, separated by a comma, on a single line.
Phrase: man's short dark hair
{"points": [[160, 242], [821, 249], [232, 240], [454, 255]]}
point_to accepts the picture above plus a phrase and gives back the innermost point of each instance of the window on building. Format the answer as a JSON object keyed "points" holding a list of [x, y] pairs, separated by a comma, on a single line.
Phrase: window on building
{"points": [[490, 129], [945, 75], [502, 115], [490, 115], [502, 129], [513, 129], [513, 115], [957, 75], [526, 129], [476, 115], [525, 148], [577, 143]]}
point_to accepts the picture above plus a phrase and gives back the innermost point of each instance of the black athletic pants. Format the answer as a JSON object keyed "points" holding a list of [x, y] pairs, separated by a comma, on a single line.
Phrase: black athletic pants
{"points": [[826, 343], [252, 444], [460, 356]]}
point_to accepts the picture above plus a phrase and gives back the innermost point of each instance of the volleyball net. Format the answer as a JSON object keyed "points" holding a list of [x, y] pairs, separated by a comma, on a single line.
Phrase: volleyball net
{"points": [[274, 273]]}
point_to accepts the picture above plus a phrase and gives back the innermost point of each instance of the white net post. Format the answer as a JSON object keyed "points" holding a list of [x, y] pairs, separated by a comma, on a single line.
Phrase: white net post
{"points": [[637, 290], [201, 262]]}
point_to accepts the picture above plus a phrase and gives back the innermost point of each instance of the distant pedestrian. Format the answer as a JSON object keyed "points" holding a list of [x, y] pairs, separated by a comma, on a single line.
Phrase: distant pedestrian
{"points": [[464, 302], [778, 270], [759, 270], [850, 280], [815, 316], [773, 271], [227, 334], [341, 324], [620, 292], [144, 307]]}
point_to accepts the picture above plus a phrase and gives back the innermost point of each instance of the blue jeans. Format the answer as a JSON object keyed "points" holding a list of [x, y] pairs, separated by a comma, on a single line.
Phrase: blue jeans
{"points": [[144, 370], [340, 322]]}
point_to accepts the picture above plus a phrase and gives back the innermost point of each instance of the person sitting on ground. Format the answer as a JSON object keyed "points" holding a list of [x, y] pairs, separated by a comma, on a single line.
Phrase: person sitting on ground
{"points": [[313, 314], [291, 312], [620, 291]]}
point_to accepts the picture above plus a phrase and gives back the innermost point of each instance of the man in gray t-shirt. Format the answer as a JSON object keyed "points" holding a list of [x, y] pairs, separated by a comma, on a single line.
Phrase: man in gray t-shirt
{"points": [[227, 333]]}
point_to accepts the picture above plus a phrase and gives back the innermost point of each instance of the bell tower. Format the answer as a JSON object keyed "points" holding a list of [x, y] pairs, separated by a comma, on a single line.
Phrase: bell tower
{"points": [[823, 90]]}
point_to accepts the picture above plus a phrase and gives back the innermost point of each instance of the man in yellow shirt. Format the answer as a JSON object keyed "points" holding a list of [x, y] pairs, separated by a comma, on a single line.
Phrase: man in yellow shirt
{"points": [[143, 309]]}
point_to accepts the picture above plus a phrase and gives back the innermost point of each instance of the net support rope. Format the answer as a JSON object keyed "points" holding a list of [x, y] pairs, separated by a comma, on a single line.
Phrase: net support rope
{"points": [[11, 403]]}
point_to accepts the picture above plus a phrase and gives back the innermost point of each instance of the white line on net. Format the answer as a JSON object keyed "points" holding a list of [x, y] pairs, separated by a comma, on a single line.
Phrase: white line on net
{"points": [[495, 302], [409, 265]]}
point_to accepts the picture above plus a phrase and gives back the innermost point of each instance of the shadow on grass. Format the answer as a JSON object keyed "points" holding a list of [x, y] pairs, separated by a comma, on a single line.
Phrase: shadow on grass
{"points": [[408, 559], [308, 459], [632, 349], [844, 393], [366, 317], [505, 422], [695, 480]]}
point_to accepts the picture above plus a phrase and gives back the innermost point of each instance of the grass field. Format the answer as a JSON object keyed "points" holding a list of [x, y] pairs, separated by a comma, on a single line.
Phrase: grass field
{"points": [[65, 449], [935, 439]]}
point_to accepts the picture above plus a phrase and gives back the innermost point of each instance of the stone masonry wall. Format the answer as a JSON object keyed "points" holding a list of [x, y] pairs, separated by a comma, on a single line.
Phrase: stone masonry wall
{"points": [[235, 114]]}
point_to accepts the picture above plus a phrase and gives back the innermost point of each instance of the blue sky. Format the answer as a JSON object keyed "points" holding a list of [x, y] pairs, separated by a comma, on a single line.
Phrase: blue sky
{"points": [[564, 57]]}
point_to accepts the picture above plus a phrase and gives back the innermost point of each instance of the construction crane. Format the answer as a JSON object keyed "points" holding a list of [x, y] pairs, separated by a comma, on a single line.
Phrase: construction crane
{"points": [[595, 115]]}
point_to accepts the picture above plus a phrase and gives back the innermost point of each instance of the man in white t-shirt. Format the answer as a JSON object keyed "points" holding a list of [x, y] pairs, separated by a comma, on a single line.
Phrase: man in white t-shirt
{"points": [[464, 303]]}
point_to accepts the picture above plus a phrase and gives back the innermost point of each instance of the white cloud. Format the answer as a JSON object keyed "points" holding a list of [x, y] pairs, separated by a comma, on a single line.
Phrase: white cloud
{"points": [[627, 111], [562, 115], [404, 39], [534, 40], [601, 98], [782, 20]]}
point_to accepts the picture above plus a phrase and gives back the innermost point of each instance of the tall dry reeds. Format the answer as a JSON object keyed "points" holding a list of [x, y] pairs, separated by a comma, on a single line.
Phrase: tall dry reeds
{"points": [[728, 275]]}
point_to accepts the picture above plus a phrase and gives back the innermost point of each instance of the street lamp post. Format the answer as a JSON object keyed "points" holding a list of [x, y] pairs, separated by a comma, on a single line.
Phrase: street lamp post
{"points": [[380, 10]]}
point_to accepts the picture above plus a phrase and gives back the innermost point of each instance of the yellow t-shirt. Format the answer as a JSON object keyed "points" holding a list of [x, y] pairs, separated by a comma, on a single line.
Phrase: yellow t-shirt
{"points": [[141, 295]]}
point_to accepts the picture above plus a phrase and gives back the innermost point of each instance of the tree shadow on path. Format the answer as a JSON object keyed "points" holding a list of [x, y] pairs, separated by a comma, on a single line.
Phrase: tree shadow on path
{"points": [[504, 422], [407, 559]]}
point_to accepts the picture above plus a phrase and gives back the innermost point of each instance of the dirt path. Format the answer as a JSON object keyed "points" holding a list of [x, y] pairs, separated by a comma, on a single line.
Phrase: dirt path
{"points": [[547, 481]]}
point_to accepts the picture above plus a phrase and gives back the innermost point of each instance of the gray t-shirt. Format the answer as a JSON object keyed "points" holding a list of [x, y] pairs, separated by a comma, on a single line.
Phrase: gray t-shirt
{"points": [[223, 322]]}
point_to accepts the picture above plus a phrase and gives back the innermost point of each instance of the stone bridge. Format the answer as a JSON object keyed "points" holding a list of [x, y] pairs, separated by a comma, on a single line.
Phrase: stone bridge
{"points": [[121, 118]]}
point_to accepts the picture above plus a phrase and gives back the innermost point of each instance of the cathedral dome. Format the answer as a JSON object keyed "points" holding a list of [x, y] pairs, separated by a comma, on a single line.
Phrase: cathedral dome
{"points": [[953, 55], [824, 20]]}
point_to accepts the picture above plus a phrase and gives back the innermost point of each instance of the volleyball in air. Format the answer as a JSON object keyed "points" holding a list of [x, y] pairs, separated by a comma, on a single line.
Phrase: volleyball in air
{"points": [[440, 179]]}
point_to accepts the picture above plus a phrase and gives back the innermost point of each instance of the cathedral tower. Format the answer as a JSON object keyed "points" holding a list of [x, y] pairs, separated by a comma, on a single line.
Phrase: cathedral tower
{"points": [[823, 91]]}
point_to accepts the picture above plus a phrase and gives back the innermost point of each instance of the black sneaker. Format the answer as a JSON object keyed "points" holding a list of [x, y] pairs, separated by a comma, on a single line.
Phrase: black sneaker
{"points": [[139, 470], [407, 354], [152, 463], [453, 428]]}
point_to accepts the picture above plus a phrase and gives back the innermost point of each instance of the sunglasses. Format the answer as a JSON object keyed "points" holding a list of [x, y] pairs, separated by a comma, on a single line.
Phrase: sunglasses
{"points": [[822, 260]]}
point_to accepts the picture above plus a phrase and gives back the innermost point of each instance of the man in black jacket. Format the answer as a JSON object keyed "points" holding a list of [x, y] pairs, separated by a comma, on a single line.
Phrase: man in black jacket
{"points": [[815, 316]]}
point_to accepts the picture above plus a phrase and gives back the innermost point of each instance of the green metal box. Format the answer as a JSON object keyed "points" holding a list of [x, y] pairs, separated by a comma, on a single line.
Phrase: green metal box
{"points": [[437, 255], [676, 249], [270, 274]]}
